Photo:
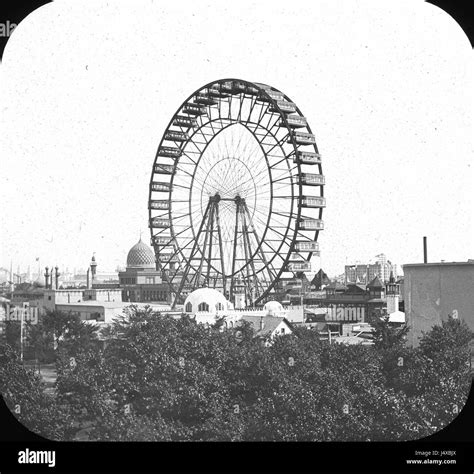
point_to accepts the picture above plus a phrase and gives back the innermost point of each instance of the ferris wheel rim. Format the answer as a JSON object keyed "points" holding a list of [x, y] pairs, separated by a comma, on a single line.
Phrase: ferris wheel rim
{"points": [[294, 197]]}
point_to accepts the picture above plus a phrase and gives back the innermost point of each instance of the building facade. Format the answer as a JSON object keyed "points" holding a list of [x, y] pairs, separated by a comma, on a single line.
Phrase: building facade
{"points": [[140, 281], [366, 272], [434, 291], [344, 304], [208, 306], [91, 304]]}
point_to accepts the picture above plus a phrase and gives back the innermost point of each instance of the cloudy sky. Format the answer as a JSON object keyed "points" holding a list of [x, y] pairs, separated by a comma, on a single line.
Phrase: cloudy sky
{"points": [[87, 89]]}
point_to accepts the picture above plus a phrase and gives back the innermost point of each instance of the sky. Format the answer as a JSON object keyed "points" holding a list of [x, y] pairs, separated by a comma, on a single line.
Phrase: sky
{"points": [[87, 90]]}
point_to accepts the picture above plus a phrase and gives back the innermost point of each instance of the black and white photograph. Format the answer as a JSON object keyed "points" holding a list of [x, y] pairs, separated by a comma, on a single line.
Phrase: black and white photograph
{"points": [[246, 222]]}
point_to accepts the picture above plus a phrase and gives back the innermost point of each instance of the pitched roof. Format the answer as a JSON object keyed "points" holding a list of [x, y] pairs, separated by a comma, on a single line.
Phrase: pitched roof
{"points": [[353, 287], [320, 279], [375, 283], [270, 323], [337, 286]]}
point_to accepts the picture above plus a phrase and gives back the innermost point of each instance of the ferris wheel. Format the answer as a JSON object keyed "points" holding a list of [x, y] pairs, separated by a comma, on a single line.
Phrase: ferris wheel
{"points": [[236, 192]]}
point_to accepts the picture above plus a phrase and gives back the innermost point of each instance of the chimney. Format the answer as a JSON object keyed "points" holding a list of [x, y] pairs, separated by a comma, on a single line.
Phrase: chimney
{"points": [[425, 250]]}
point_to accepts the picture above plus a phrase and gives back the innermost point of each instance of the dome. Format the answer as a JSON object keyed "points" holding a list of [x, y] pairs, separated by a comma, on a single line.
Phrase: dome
{"points": [[273, 308], [141, 256], [205, 300]]}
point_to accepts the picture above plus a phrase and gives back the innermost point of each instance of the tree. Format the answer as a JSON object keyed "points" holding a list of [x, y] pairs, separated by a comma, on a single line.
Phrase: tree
{"points": [[386, 335], [11, 335], [170, 379], [440, 373], [23, 393], [40, 343]]}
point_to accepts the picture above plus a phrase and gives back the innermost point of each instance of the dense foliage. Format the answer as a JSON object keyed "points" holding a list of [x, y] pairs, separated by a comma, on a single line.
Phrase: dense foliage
{"points": [[156, 377]]}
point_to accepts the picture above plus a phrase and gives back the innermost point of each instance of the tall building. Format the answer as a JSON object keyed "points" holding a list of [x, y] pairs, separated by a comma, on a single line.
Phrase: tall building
{"points": [[366, 272]]}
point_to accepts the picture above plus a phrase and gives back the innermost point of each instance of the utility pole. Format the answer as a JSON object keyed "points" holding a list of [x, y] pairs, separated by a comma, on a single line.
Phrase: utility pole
{"points": [[301, 292], [22, 317]]}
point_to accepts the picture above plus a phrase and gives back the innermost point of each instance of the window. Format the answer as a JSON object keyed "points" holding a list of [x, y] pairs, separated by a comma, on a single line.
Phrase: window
{"points": [[189, 307], [219, 306], [150, 280], [203, 307], [49, 298], [282, 330]]}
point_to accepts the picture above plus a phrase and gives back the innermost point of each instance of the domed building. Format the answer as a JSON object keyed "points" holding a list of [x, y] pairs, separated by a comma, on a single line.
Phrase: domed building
{"points": [[141, 282], [208, 305], [273, 308], [141, 256], [207, 300]]}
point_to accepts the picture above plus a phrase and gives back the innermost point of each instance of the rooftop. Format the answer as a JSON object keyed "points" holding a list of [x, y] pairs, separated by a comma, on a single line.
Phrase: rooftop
{"points": [[438, 264], [270, 323], [115, 304]]}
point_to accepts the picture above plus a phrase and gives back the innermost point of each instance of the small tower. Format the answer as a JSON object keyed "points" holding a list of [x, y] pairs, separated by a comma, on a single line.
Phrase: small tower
{"points": [[376, 288], [46, 278], [393, 295], [93, 266], [239, 296], [56, 277]]}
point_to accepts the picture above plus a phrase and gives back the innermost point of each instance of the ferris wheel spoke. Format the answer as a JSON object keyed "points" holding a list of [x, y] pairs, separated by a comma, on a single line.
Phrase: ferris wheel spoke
{"points": [[181, 186], [279, 143], [239, 115], [287, 176], [184, 171], [263, 111], [185, 154], [195, 243], [230, 107], [274, 228], [181, 232], [273, 116], [253, 102], [284, 159], [175, 253]]}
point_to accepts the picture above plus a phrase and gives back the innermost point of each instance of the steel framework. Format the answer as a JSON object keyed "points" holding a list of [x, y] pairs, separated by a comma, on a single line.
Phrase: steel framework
{"points": [[234, 199]]}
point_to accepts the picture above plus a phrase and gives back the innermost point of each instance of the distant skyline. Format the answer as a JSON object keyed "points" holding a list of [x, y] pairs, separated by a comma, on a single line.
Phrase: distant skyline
{"points": [[86, 91]]}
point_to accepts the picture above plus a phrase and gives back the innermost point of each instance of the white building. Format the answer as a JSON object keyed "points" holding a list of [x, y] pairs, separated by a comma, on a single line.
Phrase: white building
{"points": [[208, 306], [94, 305]]}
